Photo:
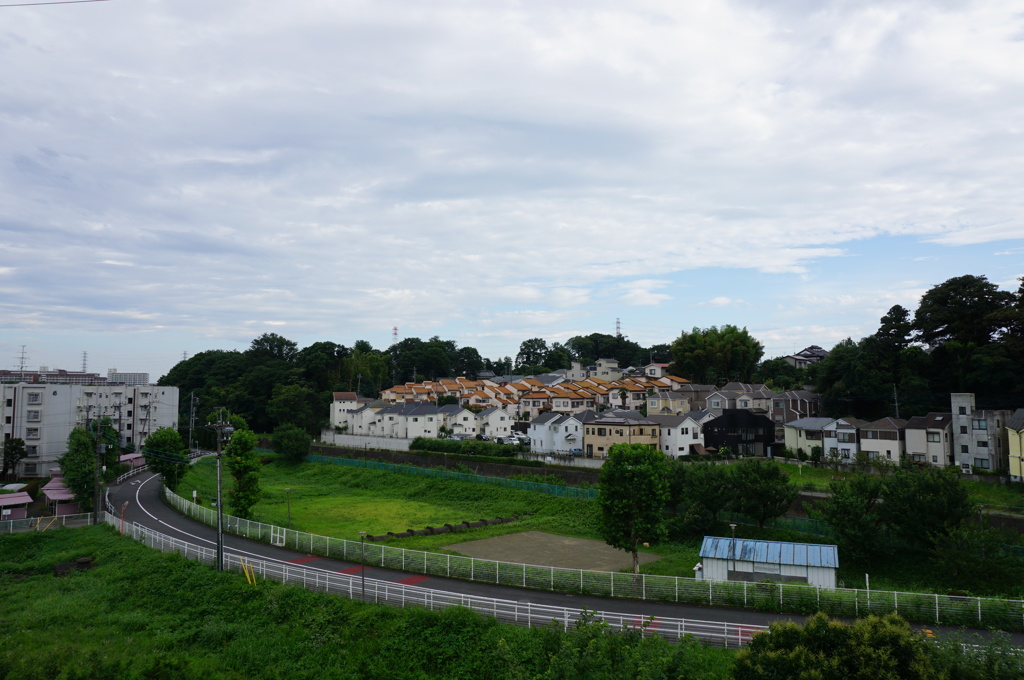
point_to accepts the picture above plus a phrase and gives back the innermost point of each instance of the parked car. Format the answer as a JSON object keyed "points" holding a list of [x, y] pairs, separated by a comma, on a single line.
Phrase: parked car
{"points": [[575, 452]]}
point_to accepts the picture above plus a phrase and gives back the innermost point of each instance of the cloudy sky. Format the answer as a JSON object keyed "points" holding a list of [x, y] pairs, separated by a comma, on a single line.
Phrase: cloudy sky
{"points": [[177, 176]]}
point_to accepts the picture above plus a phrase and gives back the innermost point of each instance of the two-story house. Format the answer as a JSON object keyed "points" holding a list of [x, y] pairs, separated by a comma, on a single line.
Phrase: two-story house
{"points": [[929, 439]]}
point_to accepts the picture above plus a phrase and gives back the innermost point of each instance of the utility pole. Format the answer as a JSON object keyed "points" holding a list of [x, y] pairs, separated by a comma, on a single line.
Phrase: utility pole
{"points": [[97, 499], [896, 400], [191, 419], [222, 429]]}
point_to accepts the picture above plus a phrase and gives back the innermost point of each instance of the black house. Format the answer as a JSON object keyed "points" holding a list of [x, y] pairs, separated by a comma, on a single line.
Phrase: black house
{"points": [[743, 431]]}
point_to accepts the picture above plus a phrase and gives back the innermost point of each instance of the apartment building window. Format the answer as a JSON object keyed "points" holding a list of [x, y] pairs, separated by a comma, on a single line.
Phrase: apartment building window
{"points": [[981, 463], [963, 429], [935, 459], [35, 398], [32, 450], [7, 420], [31, 433], [964, 448], [32, 416], [130, 399], [31, 469], [918, 457], [963, 410], [979, 424], [10, 403], [982, 444], [934, 437]]}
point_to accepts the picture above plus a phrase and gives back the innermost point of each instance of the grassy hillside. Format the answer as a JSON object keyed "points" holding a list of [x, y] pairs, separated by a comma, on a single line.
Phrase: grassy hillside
{"points": [[143, 614]]}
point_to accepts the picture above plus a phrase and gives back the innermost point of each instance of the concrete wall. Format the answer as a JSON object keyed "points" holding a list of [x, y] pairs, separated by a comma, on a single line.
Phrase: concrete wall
{"points": [[357, 441]]}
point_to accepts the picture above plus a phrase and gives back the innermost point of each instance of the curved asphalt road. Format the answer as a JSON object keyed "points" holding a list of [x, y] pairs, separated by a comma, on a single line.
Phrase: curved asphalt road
{"points": [[147, 508]]}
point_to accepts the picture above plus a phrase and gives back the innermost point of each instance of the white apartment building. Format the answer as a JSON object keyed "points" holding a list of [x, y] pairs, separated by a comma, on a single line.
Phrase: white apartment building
{"points": [[43, 415], [979, 436]]}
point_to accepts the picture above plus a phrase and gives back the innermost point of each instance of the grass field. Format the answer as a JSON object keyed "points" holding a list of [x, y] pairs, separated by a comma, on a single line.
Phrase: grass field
{"points": [[144, 614], [338, 501]]}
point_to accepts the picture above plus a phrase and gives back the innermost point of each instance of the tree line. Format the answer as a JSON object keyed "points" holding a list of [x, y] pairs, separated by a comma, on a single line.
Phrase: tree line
{"points": [[965, 336]]}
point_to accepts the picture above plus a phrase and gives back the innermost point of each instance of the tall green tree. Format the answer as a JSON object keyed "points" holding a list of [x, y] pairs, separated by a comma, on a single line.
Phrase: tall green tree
{"points": [[292, 443], [296, 405], [714, 355], [532, 352], [920, 506], [78, 466], [166, 455], [853, 513], [964, 308], [762, 490], [244, 465], [632, 496], [879, 648], [13, 453]]}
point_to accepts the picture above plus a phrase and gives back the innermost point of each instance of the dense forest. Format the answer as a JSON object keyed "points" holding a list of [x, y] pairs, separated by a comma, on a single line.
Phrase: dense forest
{"points": [[965, 336]]}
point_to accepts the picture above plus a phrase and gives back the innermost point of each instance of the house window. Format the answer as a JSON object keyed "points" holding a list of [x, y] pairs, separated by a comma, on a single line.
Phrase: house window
{"points": [[933, 437], [778, 404], [918, 457], [979, 424], [963, 410], [846, 437], [35, 398], [31, 433], [600, 432], [845, 452], [981, 463], [716, 404], [744, 404], [935, 459], [430, 419]]}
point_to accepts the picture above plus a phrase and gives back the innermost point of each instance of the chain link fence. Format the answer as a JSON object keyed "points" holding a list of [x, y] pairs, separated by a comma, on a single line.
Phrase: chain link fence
{"points": [[978, 612]]}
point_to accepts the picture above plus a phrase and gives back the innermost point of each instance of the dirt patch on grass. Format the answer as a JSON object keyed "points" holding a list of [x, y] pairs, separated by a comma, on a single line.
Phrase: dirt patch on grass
{"points": [[550, 550]]}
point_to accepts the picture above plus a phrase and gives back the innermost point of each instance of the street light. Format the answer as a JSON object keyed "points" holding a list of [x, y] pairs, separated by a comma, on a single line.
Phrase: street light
{"points": [[362, 561], [222, 431], [288, 498]]}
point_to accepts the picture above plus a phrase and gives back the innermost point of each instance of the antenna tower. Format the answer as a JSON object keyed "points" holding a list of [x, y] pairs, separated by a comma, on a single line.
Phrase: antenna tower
{"points": [[85, 361], [618, 328], [22, 359], [394, 335]]}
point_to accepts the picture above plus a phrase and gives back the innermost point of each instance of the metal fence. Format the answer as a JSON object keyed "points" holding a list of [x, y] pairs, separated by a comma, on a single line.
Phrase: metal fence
{"points": [[778, 597], [804, 525], [550, 489], [10, 526], [721, 634]]}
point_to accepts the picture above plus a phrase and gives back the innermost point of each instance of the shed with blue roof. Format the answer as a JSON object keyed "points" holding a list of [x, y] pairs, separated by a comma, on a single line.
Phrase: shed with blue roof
{"points": [[743, 559]]}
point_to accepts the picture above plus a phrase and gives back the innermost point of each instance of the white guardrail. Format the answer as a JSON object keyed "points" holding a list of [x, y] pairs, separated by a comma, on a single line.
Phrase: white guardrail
{"points": [[990, 612], [722, 634]]}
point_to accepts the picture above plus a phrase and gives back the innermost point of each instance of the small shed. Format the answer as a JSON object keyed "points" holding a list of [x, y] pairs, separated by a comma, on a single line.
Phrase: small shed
{"points": [[14, 505], [742, 559]]}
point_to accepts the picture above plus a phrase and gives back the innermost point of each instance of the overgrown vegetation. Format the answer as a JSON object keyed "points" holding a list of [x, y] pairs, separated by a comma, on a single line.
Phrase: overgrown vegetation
{"points": [[143, 614]]}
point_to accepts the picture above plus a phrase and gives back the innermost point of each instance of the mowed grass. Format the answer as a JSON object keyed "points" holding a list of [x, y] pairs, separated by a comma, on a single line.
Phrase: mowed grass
{"points": [[339, 501]]}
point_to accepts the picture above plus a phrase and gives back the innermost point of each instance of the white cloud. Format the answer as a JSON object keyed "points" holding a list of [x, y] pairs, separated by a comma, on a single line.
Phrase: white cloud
{"points": [[499, 170]]}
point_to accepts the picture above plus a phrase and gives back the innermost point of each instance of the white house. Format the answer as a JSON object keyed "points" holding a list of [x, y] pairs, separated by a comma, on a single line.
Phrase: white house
{"points": [[678, 434], [929, 439], [555, 433], [841, 440], [459, 420], [495, 422]]}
